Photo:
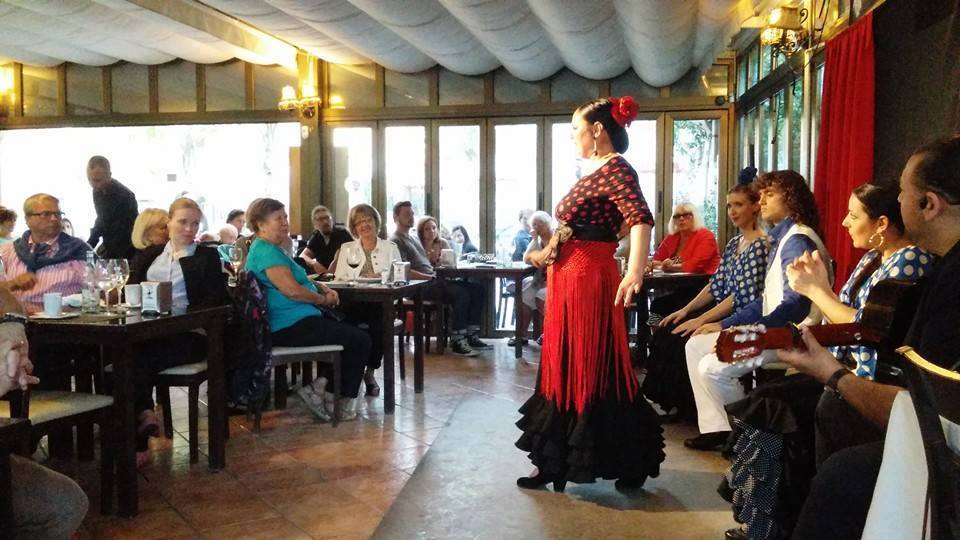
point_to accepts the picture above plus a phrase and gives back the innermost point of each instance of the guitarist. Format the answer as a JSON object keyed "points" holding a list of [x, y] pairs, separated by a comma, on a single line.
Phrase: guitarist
{"points": [[930, 205], [786, 203]]}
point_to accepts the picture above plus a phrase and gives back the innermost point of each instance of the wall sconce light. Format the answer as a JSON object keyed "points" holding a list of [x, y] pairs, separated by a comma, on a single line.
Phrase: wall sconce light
{"points": [[306, 104], [785, 31], [336, 102]]}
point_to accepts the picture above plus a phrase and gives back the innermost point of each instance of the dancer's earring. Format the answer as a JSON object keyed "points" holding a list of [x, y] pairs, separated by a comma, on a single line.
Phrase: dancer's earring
{"points": [[595, 152], [878, 239]]}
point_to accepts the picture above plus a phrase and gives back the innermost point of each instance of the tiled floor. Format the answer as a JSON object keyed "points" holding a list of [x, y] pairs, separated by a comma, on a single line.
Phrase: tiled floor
{"points": [[303, 479]]}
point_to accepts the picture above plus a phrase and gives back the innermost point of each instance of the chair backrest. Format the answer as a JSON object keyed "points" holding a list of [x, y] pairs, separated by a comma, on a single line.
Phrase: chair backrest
{"points": [[19, 403], [935, 392]]}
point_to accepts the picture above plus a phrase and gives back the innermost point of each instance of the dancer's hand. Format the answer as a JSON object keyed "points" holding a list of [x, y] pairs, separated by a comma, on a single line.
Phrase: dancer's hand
{"points": [[629, 286], [708, 328], [688, 327], [674, 317]]}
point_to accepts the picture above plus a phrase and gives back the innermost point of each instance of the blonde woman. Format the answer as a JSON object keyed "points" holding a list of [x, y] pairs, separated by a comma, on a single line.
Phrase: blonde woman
{"points": [[150, 228], [378, 255]]}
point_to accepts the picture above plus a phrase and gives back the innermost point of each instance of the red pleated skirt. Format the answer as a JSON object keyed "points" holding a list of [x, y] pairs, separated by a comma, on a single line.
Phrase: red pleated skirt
{"points": [[585, 355]]}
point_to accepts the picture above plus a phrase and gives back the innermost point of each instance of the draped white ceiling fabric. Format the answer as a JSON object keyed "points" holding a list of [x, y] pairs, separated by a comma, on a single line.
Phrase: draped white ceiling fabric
{"points": [[662, 40]]}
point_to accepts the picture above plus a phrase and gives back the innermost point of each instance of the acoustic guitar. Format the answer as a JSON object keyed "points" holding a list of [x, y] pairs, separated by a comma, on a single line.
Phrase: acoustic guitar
{"points": [[886, 318]]}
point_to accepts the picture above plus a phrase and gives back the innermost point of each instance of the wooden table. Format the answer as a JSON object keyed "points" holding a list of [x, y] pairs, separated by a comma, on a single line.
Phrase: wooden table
{"points": [[14, 436], [516, 272], [387, 296], [118, 335]]}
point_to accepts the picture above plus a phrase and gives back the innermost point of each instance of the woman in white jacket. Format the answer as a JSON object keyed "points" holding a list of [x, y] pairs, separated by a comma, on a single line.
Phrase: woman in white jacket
{"points": [[375, 256]]}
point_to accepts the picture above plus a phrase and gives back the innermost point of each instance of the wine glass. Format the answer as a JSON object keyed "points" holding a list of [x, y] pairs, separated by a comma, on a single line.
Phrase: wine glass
{"points": [[121, 269], [106, 278], [354, 260]]}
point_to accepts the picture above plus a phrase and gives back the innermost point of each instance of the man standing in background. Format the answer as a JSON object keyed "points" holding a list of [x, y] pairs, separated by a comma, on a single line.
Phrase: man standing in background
{"points": [[116, 208]]}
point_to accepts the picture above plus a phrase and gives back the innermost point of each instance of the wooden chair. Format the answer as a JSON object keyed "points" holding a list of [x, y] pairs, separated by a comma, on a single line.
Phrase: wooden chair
{"points": [[191, 376], [284, 356], [935, 392], [436, 317], [50, 411]]}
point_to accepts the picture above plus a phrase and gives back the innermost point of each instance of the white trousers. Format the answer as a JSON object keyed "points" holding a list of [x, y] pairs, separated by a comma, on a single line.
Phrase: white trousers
{"points": [[715, 383]]}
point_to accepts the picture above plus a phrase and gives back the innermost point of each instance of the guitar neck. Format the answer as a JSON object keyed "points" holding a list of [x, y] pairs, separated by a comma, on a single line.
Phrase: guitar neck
{"points": [[828, 335]]}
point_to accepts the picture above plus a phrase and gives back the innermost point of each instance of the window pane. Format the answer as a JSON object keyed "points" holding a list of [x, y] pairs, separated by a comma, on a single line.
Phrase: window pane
{"points": [[177, 83], [565, 167], [268, 81], [815, 123], [84, 89], [696, 166], [766, 60], [39, 91], [642, 156], [226, 86], [753, 60], [229, 166], [456, 89], [130, 91], [781, 130], [352, 168], [741, 76], [515, 167], [405, 167], [572, 88], [407, 89], [460, 179], [629, 84], [354, 85], [509, 89], [765, 122], [750, 135], [796, 124]]}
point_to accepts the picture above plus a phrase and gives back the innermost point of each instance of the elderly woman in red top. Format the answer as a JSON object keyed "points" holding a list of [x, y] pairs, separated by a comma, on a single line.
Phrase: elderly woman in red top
{"points": [[690, 247]]}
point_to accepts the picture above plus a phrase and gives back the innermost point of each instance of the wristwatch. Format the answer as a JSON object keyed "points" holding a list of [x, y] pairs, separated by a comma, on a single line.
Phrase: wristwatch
{"points": [[834, 380], [13, 317]]}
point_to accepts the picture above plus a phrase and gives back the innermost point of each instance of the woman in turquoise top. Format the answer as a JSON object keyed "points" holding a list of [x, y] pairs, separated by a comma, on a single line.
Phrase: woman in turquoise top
{"points": [[296, 306]]}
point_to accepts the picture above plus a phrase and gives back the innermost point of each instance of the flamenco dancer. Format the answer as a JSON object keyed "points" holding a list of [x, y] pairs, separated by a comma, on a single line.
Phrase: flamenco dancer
{"points": [[587, 418]]}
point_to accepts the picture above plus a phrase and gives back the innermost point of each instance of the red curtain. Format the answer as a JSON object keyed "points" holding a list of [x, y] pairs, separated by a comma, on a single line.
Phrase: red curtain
{"points": [[845, 148]]}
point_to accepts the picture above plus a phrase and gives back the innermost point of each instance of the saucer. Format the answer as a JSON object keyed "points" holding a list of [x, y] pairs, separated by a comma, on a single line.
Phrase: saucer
{"points": [[64, 315]]}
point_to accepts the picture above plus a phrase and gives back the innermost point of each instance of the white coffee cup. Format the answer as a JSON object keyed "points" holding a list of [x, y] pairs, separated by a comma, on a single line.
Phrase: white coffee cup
{"points": [[52, 304], [131, 294]]}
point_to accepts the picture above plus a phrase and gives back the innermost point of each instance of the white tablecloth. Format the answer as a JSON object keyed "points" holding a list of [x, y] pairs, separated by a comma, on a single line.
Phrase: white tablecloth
{"points": [[896, 511]]}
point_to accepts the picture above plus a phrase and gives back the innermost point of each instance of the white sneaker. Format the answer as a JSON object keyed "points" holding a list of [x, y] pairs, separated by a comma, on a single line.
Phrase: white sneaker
{"points": [[314, 402]]}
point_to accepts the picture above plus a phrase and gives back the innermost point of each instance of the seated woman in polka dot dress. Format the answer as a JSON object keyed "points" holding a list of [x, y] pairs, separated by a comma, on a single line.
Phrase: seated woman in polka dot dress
{"points": [[875, 224]]}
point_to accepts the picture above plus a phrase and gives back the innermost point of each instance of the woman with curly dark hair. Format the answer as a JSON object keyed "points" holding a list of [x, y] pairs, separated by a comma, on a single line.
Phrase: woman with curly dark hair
{"points": [[787, 204], [8, 220]]}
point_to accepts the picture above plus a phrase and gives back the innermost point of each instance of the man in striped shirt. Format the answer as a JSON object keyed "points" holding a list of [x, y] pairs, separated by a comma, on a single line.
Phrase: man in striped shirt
{"points": [[44, 259]]}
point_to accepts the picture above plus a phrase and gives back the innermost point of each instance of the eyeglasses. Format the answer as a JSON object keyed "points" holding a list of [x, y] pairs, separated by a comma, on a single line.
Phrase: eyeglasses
{"points": [[363, 220], [685, 215], [46, 214]]}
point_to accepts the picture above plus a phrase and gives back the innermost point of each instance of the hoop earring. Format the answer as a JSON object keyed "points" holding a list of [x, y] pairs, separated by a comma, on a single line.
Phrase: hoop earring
{"points": [[880, 243]]}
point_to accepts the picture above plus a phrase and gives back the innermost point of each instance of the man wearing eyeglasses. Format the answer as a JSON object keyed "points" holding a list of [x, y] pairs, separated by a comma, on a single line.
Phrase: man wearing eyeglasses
{"points": [[116, 208], [44, 259]]}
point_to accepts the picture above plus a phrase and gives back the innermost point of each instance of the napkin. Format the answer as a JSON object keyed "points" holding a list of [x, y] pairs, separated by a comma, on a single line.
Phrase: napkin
{"points": [[73, 300]]}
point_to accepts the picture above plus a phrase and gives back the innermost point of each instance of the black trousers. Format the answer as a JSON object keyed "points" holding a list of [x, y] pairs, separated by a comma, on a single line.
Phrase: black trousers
{"points": [[371, 316], [839, 426], [317, 330], [157, 355], [840, 495], [466, 298]]}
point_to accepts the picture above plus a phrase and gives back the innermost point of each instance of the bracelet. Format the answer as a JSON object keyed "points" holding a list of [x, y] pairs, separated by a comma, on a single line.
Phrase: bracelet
{"points": [[834, 380], [13, 317]]}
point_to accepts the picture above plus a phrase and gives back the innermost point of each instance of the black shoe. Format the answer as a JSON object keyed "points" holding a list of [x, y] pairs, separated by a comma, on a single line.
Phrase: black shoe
{"points": [[460, 347], [370, 381], [735, 534], [512, 342], [626, 484], [477, 343], [538, 481], [708, 441]]}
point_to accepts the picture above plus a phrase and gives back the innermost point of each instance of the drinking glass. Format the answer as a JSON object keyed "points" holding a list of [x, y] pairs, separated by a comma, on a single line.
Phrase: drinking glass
{"points": [[121, 269], [234, 257], [354, 260], [106, 278]]}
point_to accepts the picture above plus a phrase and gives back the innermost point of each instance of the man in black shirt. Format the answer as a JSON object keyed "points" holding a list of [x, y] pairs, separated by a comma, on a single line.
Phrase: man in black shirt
{"points": [[116, 208], [930, 204], [325, 241]]}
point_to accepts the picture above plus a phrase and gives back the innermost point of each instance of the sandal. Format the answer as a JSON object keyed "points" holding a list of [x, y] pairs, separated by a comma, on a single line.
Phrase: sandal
{"points": [[373, 389]]}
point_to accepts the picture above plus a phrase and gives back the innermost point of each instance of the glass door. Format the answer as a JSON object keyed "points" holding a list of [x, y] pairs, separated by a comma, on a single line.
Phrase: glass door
{"points": [[350, 166], [697, 166], [517, 154], [404, 168], [456, 177]]}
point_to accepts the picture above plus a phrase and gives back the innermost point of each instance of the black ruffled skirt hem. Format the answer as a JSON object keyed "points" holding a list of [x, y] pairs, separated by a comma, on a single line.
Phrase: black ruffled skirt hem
{"points": [[612, 439]]}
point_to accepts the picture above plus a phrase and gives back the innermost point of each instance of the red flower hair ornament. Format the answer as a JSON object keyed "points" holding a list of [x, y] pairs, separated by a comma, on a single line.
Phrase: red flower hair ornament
{"points": [[624, 110]]}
